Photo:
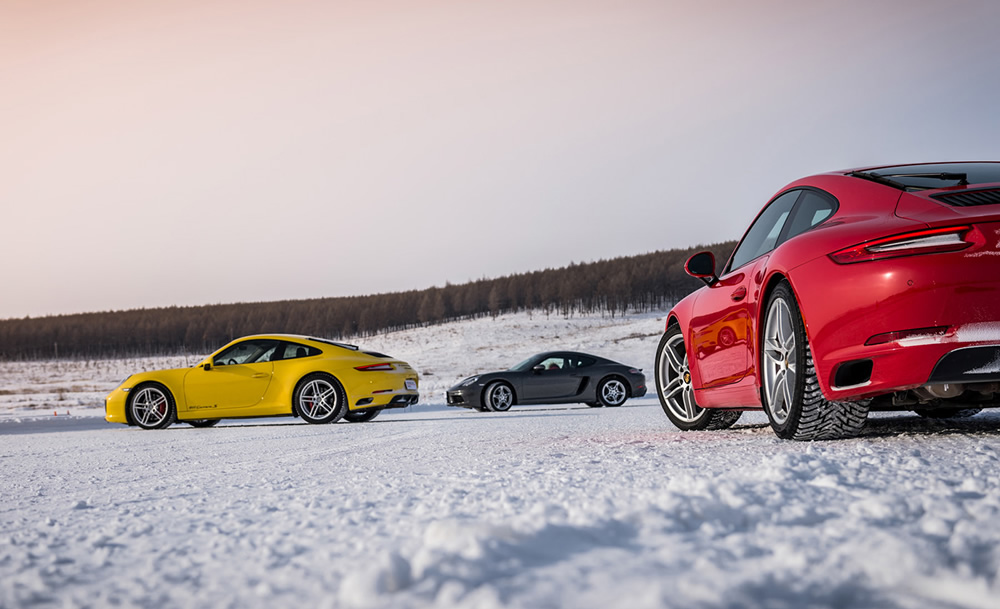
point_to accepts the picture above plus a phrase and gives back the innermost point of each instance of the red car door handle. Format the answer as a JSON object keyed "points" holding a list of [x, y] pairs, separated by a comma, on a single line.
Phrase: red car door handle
{"points": [[739, 294]]}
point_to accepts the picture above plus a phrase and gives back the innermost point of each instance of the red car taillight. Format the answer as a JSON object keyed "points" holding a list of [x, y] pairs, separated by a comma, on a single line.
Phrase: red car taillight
{"points": [[374, 367], [929, 241]]}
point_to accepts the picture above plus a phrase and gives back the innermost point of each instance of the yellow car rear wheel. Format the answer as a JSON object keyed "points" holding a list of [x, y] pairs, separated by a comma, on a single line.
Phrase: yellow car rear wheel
{"points": [[319, 398]]}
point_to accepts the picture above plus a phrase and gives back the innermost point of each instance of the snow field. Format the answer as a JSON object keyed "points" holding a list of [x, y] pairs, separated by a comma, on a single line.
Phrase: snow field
{"points": [[538, 507], [76, 386]]}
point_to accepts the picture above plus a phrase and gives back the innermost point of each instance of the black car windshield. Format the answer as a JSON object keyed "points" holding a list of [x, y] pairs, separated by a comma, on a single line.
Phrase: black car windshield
{"points": [[525, 365]]}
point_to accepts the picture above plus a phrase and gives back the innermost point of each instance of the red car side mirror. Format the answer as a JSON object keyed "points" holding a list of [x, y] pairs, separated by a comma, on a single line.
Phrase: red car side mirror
{"points": [[702, 266]]}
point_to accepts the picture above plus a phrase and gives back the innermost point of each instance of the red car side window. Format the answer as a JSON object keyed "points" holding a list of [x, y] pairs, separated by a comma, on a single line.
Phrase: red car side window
{"points": [[763, 235]]}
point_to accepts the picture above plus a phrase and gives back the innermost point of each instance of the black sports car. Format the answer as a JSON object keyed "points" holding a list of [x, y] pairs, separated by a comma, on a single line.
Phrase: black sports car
{"points": [[554, 377]]}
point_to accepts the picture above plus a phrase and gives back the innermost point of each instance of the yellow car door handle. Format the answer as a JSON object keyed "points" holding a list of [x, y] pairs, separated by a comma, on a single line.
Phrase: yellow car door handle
{"points": [[261, 375]]}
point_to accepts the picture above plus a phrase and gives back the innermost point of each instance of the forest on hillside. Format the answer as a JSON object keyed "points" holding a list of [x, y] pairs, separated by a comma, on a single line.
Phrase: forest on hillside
{"points": [[611, 287]]}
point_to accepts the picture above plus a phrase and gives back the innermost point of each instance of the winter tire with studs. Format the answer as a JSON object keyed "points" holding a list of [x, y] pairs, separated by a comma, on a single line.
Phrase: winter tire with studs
{"points": [[790, 390]]}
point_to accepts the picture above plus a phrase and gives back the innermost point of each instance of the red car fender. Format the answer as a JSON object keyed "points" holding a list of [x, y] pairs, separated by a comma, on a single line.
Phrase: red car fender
{"points": [[680, 315]]}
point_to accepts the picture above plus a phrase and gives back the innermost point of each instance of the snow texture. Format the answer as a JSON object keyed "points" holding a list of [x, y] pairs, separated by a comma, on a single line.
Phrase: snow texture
{"points": [[991, 368], [979, 332], [545, 506]]}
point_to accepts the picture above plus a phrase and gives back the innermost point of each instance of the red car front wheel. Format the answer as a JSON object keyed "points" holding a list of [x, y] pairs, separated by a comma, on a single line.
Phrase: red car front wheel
{"points": [[676, 393]]}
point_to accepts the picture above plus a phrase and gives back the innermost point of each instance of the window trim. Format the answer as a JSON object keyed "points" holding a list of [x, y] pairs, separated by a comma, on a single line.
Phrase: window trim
{"points": [[796, 209], [792, 214], [729, 264], [219, 355]]}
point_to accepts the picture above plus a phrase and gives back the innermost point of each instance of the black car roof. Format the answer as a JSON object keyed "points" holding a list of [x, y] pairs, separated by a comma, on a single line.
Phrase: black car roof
{"points": [[547, 354]]}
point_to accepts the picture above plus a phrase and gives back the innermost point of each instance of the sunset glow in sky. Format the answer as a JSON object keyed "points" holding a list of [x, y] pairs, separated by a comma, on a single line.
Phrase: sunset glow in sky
{"points": [[208, 151]]}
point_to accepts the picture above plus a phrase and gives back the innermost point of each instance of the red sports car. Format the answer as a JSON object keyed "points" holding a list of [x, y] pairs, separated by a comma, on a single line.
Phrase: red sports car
{"points": [[869, 289]]}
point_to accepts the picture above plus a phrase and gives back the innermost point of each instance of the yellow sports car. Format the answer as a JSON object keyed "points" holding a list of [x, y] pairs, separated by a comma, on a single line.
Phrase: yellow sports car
{"points": [[263, 376]]}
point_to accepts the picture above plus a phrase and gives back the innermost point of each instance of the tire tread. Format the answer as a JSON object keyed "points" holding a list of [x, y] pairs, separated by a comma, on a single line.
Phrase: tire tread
{"points": [[722, 419], [823, 419]]}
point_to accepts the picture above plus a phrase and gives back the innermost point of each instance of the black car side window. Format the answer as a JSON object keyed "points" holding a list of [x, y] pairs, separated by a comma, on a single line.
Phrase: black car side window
{"points": [[763, 235], [553, 363]]}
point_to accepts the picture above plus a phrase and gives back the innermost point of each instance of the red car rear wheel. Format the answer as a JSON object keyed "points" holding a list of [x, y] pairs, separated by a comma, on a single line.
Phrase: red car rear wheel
{"points": [[790, 390]]}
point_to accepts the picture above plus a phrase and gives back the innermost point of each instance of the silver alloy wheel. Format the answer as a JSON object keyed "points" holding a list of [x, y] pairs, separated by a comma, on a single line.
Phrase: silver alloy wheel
{"points": [[500, 397], [779, 360], [150, 407], [675, 381], [318, 399], [613, 392]]}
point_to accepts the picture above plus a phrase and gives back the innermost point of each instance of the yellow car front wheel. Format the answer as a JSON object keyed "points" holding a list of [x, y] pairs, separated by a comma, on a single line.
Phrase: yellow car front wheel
{"points": [[319, 398], [151, 406]]}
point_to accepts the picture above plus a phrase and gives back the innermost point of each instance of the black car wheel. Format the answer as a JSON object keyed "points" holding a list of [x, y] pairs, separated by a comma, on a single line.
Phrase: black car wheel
{"points": [[362, 416], [673, 386], [319, 398], [612, 392], [498, 396], [791, 395], [151, 406]]}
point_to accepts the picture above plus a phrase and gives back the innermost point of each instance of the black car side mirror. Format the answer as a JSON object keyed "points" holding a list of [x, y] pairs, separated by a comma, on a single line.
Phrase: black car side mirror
{"points": [[207, 365], [538, 369], [702, 266]]}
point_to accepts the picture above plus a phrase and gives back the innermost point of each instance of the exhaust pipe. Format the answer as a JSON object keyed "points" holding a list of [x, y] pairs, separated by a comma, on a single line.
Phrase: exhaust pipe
{"points": [[943, 391]]}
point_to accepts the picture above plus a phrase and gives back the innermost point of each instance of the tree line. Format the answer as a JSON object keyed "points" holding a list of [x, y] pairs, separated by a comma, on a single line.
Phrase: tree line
{"points": [[613, 287]]}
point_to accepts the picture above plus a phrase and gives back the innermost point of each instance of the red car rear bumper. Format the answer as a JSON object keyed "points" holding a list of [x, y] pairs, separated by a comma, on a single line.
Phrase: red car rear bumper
{"points": [[945, 306]]}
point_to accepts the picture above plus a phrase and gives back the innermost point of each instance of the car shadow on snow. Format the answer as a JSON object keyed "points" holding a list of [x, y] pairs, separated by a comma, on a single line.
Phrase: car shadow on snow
{"points": [[898, 424], [888, 425], [879, 425], [50, 424], [470, 416], [465, 415]]}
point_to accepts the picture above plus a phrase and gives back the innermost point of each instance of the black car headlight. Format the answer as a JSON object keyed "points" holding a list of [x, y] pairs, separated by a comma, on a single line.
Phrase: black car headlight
{"points": [[468, 381]]}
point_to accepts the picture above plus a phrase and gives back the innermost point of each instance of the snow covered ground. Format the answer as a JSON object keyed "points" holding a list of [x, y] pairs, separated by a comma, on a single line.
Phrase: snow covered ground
{"points": [[438, 507]]}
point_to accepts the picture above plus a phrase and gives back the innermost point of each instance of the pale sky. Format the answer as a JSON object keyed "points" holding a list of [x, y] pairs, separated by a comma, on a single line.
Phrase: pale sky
{"points": [[187, 152]]}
